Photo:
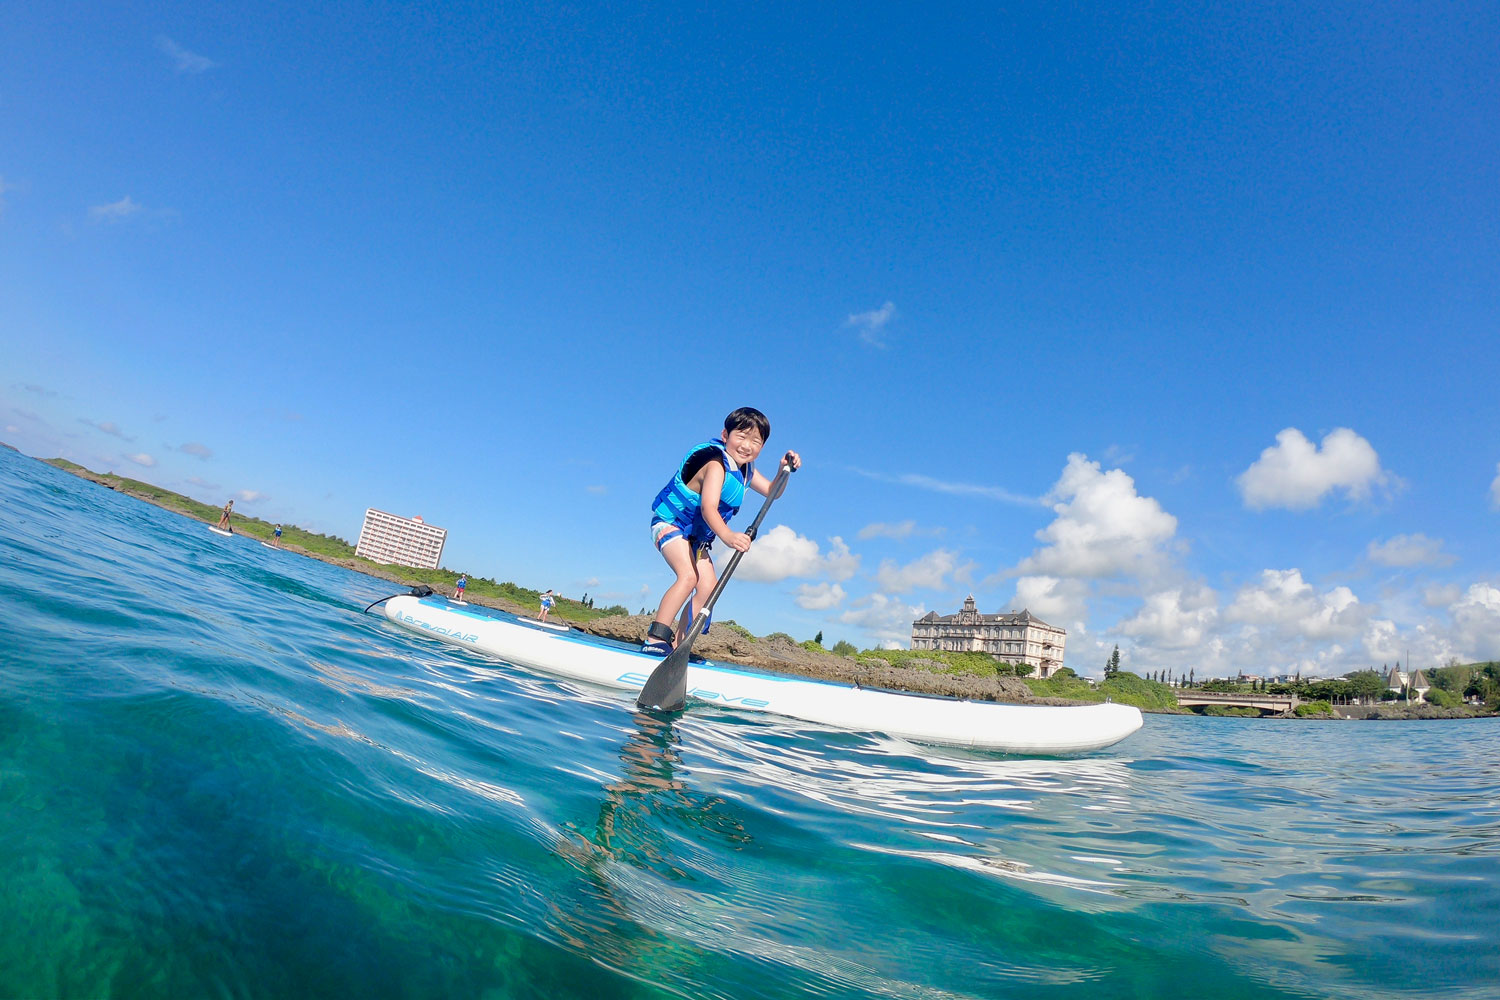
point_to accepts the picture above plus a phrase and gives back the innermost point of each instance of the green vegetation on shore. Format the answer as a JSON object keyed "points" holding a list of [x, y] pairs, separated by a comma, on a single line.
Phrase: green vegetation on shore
{"points": [[1451, 687], [1121, 686], [331, 548], [941, 661], [309, 542]]}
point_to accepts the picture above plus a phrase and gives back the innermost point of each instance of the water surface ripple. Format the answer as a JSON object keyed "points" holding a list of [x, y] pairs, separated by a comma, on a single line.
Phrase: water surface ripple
{"points": [[219, 777]]}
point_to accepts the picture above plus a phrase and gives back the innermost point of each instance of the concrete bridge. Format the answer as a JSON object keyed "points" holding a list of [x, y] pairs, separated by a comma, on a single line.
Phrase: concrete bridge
{"points": [[1270, 704]]}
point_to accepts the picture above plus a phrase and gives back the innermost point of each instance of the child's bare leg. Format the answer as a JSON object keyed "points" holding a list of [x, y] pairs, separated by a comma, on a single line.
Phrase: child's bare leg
{"points": [[679, 557], [705, 579]]}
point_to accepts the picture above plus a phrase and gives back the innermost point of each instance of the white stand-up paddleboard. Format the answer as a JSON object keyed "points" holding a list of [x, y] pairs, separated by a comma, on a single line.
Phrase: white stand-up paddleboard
{"points": [[220, 531], [553, 649]]}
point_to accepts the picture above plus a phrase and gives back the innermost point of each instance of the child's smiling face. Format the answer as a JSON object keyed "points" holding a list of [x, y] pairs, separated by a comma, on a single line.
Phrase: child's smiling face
{"points": [[744, 444]]}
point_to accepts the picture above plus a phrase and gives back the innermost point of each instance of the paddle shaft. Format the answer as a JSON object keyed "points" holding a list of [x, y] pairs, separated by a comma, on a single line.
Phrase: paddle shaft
{"points": [[666, 688]]}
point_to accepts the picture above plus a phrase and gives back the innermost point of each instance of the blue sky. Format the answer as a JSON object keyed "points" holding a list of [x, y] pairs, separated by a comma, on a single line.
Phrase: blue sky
{"points": [[1176, 326]]}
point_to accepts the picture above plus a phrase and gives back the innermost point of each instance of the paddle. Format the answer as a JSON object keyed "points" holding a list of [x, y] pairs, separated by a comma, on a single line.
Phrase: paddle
{"points": [[666, 688]]}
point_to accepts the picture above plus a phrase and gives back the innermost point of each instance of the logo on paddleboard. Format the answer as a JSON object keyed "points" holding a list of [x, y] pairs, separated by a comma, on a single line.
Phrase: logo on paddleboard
{"points": [[450, 633], [638, 679]]}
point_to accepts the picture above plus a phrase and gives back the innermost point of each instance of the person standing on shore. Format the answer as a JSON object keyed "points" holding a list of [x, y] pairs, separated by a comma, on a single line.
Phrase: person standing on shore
{"points": [[458, 590], [224, 516], [549, 599]]}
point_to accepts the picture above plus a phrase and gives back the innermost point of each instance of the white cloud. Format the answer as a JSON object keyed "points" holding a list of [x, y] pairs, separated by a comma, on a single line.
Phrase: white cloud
{"points": [[1296, 474], [1495, 489], [197, 450], [897, 531], [871, 324], [116, 211], [141, 458], [930, 571], [1103, 527], [1410, 550], [1179, 618], [840, 563], [1386, 643], [820, 596], [108, 427], [885, 618], [250, 496], [944, 486], [186, 62], [1052, 599], [1280, 623], [1441, 595], [1285, 602], [596, 490], [781, 553], [1382, 640], [1476, 622]]}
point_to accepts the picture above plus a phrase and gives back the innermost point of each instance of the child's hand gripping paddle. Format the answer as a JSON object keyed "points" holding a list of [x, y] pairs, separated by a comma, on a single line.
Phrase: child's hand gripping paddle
{"points": [[666, 688]]}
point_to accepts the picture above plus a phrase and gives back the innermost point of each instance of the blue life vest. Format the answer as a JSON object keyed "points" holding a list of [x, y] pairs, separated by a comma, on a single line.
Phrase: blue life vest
{"points": [[681, 506]]}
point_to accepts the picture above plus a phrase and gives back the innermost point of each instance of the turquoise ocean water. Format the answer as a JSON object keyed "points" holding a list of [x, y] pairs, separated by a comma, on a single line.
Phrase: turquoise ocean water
{"points": [[219, 777]]}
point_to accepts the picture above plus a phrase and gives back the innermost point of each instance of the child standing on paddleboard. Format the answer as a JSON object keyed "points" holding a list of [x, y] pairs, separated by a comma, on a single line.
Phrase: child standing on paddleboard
{"points": [[549, 599], [694, 508], [224, 516], [458, 588]]}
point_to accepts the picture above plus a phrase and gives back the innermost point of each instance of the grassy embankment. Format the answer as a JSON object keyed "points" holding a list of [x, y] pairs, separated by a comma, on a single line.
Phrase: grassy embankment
{"points": [[1125, 688], [331, 548]]}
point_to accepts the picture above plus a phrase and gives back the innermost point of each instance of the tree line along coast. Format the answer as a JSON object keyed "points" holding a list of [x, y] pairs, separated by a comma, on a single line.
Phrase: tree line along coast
{"points": [[1457, 690]]}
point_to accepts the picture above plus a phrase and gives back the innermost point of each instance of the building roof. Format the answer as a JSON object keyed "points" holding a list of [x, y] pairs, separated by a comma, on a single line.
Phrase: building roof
{"points": [[969, 615]]}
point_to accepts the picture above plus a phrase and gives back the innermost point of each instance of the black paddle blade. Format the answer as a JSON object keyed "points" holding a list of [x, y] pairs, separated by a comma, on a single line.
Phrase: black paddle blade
{"points": [[666, 688]]}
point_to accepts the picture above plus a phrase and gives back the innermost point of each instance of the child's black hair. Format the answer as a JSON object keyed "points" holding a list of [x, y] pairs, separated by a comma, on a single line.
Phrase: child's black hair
{"points": [[747, 417]]}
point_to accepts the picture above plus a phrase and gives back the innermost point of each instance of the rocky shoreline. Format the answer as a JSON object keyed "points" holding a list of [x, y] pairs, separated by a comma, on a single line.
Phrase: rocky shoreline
{"points": [[1395, 711]]}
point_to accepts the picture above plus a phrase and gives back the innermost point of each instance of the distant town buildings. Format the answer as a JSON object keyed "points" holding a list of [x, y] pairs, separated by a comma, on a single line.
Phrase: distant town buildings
{"points": [[1415, 684], [1014, 638], [406, 541]]}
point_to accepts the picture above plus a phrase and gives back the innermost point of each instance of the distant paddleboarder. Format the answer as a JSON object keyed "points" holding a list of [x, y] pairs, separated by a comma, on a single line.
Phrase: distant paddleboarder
{"points": [[224, 517], [458, 588], [549, 600], [278, 536]]}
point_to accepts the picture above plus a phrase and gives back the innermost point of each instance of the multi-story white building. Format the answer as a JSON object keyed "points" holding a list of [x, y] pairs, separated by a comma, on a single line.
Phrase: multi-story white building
{"points": [[1014, 638], [406, 541]]}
